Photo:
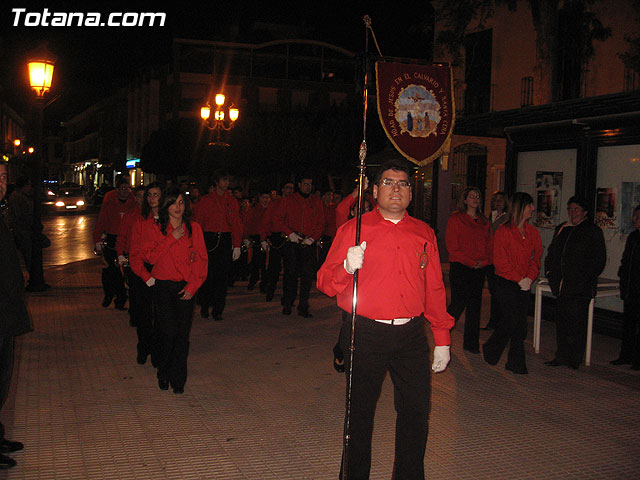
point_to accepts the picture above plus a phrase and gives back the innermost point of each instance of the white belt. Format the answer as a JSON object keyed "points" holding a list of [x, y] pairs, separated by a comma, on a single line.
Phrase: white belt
{"points": [[395, 321]]}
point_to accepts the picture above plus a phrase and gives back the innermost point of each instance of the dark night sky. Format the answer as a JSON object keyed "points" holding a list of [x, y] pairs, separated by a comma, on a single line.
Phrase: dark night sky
{"points": [[93, 61]]}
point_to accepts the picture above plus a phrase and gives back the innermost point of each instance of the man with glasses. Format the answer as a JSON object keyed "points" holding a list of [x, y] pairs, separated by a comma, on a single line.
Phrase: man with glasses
{"points": [[116, 204], [399, 285], [15, 317], [301, 218]]}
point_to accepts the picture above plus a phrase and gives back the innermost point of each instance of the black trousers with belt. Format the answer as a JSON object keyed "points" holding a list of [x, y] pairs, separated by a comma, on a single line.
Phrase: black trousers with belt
{"points": [[213, 293], [112, 279], [572, 317], [401, 350], [512, 329], [466, 294], [141, 311], [257, 267], [172, 328], [299, 263]]}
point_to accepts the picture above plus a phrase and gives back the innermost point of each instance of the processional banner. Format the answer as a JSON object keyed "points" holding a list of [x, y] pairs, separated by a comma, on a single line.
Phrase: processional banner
{"points": [[416, 108]]}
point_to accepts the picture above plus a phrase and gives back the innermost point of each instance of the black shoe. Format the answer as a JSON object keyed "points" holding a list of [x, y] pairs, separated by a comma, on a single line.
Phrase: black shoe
{"points": [[573, 365], [204, 312], [178, 389], [635, 366], [554, 363], [471, 349], [251, 286], [120, 306], [620, 361], [141, 358], [7, 446], [106, 301], [518, 370], [163, 384], [217, 317], [42, 287], [269, 296], [6, 462], [305, 313], [286, 310]]}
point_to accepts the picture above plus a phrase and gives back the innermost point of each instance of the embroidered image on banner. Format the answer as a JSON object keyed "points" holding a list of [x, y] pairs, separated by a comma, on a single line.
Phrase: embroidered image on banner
{"points": [[416, 108]]}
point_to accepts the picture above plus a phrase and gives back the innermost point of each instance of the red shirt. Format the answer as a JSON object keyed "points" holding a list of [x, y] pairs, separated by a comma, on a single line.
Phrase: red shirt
{"points": [[266, 226], [515, 257], [123, 244], [296, 213], [111, 214], [219, 213], [177, 260], [391, 283], [254, 220], [468, 240], [329, 219]]}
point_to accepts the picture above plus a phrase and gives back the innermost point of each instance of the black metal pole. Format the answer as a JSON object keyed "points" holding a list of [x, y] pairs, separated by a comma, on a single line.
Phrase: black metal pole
{"points": [[362, 157]]}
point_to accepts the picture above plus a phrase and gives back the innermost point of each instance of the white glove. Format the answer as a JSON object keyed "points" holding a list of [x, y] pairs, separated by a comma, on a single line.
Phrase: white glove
{"points": [[308, 241], [264, 245], [151, 282], [236, 254], [525, 284], [121, 259], [99, 247], [355, 257], [294, 237], [441, 358]]}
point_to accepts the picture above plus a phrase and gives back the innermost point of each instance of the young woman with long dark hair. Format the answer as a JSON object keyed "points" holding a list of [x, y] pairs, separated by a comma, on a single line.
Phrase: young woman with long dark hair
{"points": [[175, 247], [516, 258]]}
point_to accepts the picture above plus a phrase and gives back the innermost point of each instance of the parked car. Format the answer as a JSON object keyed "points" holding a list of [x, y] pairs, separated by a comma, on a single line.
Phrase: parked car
{"points": [[70, 198]]}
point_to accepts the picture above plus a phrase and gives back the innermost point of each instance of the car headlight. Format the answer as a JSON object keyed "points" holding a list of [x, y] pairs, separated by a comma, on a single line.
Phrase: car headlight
{"points": [[59, 203], [80, 203]]}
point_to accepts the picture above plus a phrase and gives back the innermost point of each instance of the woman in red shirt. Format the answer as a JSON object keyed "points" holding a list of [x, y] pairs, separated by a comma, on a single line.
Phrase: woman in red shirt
{"points": [[516, 258], [175, 247], [468, 239]]}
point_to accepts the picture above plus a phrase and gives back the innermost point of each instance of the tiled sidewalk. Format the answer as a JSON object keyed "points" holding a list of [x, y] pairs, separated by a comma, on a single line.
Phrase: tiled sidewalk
{"points": [[263, 402]]}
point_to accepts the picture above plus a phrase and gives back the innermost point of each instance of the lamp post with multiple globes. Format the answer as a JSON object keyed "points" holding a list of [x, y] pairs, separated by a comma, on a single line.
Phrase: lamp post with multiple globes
{"points": [[221, 120]]}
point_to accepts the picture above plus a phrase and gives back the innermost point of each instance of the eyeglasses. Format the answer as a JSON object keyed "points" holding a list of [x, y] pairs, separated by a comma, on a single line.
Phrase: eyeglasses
{"points": [[390, 182]]}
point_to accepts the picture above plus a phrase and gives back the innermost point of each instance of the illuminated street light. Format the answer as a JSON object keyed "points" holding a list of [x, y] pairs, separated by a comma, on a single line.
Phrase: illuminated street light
{"points": [[218, 122], [41, 65]]}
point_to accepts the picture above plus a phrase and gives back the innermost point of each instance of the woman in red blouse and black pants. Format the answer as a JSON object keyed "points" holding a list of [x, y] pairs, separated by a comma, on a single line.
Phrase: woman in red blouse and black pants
{"points": [[468, 239], [175, 247], [516, 258]]}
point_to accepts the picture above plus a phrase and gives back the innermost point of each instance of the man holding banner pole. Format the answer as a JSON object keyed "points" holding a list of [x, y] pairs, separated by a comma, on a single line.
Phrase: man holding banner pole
{"points": [[400, 284]]}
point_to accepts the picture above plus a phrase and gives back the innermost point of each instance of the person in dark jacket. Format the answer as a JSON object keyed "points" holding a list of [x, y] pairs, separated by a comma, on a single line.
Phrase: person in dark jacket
{"points": [[629, 273], [14, 317], [577, 255]]}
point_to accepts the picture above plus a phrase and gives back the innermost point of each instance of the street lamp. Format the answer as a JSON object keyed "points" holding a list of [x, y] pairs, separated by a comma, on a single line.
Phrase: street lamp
{"points": [[40, 65], [219, 121]]}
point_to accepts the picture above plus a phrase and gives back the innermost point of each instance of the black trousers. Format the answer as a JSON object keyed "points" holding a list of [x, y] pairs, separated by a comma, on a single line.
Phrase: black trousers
{"points": [[112, 279], [213, 292], [172, 329], [630, 349], [401, 350], [572, 317], [494, 315], [257, 266], [466, 294], [141, 311], [274, 265], [299, 263], [512, 329], [6, 370]]}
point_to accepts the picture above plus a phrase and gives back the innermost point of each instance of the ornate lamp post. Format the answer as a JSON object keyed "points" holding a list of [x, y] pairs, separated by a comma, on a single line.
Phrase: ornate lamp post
{"points": [[40, 65], [221, 120]]}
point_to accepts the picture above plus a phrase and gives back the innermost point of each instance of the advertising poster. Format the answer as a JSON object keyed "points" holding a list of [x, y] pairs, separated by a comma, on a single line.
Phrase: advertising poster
{"points": [[606, 212], [548, 199]]}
